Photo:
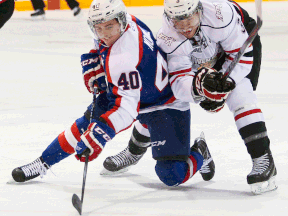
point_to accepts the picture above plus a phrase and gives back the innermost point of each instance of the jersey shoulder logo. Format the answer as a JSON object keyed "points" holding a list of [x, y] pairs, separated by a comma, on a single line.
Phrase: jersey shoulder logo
{"points": [[167, 40], [218, 14]]}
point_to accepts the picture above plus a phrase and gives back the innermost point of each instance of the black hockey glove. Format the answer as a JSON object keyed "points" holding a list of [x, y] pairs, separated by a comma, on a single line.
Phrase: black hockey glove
{"points": [[212, 106], [209, 83]]}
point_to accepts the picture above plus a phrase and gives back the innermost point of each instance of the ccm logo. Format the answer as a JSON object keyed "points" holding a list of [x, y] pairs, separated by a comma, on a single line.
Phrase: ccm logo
{"points": [[102, 132], [158, 143], [89, 61]]}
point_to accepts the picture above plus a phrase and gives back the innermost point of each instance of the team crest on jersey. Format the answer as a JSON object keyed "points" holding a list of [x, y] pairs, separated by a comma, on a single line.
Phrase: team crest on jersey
{"points": [[199, 40], [218, 11], [199, 60], [167, 40]]}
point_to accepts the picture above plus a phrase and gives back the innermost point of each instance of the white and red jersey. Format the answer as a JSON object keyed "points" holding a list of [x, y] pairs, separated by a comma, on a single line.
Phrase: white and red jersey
{"points": [[137, 76], [221, 32]]}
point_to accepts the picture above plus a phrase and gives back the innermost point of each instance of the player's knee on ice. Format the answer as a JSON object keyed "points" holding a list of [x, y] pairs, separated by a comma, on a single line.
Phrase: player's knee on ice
{"points": [[170, 172]]}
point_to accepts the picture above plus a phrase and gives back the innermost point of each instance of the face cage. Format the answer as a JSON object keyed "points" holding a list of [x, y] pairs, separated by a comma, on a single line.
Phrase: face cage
{"points": [[121, 18]]}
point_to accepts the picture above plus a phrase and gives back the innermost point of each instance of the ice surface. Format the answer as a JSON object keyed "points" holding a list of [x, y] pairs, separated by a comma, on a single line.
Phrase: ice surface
{"points": [[42, 93]]}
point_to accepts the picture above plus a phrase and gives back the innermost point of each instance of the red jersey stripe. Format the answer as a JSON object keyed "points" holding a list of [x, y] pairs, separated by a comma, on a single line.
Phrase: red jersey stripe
{"points": [[241, 61], [140, 41], [179, 72]]}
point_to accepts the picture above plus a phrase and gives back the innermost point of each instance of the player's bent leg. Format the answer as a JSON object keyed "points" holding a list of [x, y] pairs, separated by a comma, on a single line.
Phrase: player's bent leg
{"points": [[175, 172], [59, 149], [250, 123], [131, 155]]}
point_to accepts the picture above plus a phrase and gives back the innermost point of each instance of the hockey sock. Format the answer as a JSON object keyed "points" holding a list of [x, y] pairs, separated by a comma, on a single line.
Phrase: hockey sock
{"points": [[173, 173], [250, 123], [138, 143], [64, 144], [195, 162], [54, 153], [255, 138]]}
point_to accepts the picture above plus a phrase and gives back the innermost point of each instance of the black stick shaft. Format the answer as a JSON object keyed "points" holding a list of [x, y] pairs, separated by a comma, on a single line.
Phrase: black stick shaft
{"points": [[84, 179]]}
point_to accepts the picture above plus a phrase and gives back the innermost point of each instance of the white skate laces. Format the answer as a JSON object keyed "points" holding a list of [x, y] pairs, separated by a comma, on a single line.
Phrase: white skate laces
{"points": [[125, 158], [35, 168], [205, 167], [120, 163], [260, 165], [262, 178], [207, 170]]}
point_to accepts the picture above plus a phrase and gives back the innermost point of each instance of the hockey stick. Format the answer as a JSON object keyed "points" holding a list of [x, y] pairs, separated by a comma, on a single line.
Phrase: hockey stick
{"points": [[77, 203], [249, 40]]}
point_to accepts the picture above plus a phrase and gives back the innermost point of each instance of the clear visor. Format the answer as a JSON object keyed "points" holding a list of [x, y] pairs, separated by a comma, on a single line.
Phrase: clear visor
{"points": [[186, 23], [105, 31]]}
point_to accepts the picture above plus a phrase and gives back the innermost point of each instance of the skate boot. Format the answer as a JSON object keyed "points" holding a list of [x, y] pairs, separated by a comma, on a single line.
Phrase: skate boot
{"points": [[262, 177], [120, 163], [76, 11], [38, 14], [30, 171], [207, 170]]}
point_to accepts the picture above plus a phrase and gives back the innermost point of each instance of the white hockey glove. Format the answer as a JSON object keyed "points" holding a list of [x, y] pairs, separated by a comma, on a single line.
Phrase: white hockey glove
{"points": [[209, 84]]}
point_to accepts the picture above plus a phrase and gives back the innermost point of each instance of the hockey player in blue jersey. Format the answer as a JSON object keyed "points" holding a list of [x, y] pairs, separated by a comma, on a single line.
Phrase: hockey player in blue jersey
{"points": [[125, 55]]}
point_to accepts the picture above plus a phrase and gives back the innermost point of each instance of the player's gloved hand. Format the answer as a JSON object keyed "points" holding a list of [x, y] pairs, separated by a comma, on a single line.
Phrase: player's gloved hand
{"points": [[212, 106], [94, 139], [208, 83], [93, 72]]}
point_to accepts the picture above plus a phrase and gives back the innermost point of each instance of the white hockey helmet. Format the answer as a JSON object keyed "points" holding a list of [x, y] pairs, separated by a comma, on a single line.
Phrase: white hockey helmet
{"points": [[105, 10], [181, 9]]}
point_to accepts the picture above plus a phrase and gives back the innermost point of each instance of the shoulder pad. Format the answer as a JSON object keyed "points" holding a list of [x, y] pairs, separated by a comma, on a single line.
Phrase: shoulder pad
{"points": [[218, 14]]}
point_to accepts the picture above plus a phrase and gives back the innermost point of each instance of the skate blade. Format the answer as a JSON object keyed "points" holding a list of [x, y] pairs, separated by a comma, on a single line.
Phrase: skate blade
{"points": [[11, 181], [263, 187], [106, 172], [38, 18], [80, 16]]}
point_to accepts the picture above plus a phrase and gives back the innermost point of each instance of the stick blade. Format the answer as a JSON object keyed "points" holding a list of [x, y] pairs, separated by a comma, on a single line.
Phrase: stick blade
{"points": [[77, 203]]}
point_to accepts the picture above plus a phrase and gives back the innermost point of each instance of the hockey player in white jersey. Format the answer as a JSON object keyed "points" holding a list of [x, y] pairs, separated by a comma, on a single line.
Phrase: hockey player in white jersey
{"points": [[199, 35], [137, 87]]}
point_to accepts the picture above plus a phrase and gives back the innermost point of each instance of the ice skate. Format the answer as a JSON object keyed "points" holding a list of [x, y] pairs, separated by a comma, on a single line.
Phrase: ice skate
{"points": [[76, 11], [30, 171], [262, 178], [39, 14], [207, 170], [120, 163]]}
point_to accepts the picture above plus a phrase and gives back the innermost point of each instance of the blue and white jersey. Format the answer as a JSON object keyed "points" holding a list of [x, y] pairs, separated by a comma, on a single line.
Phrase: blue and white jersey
{"points": [[137, 76]]}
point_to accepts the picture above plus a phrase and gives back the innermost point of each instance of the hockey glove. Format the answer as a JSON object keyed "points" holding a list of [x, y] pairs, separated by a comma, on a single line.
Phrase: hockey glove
{"points": [[212, 106], [93, 72], [208, 83], [94, 139]]}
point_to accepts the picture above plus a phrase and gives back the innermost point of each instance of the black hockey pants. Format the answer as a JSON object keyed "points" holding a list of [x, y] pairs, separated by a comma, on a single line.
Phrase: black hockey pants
{"points": [[249, 24]]}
